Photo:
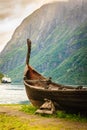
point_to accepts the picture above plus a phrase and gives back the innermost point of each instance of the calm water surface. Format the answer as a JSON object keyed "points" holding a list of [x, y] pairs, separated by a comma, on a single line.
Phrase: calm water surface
{"points": [[13, 94]]}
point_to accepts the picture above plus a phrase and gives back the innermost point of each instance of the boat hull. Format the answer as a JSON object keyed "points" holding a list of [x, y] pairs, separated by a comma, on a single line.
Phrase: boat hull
{"points": [[75, 100]]}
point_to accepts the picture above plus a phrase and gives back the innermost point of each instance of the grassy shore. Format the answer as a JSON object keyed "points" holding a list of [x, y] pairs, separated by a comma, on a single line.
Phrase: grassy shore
{"points": [[22, 117]]}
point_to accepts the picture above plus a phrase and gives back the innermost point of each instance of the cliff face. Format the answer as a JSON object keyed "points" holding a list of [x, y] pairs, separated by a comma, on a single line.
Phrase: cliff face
{"points": [[58, 32]]}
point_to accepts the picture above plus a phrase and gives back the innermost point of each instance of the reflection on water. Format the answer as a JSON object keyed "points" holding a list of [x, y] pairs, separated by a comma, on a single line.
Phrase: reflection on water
{"points": [[13, 94]]}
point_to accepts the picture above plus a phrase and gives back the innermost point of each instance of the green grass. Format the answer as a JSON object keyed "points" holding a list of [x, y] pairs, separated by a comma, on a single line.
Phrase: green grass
{"points": [[15, 123], [74, 117], [12, 123], [28, 109], [59, 114], [30, 121]]}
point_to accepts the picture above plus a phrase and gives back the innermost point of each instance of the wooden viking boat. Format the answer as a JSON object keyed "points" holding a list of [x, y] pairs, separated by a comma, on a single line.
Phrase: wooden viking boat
{"points": [[39, 88]]}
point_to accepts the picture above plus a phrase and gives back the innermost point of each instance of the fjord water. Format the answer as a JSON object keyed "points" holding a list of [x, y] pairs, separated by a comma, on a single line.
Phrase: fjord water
{"points": [[13, 94]]}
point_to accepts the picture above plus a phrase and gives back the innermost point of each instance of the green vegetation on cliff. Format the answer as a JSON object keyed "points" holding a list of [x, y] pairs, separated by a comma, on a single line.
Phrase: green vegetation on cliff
{"points": [[1, 76], [58, 32]]}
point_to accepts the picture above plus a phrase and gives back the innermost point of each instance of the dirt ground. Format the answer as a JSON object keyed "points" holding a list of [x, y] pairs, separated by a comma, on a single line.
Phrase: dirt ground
{"points": [[68, 124]]}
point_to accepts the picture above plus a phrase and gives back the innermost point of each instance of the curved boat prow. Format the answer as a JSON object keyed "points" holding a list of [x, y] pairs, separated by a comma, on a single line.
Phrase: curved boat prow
{"points": [[29, 51], [29, 72]]}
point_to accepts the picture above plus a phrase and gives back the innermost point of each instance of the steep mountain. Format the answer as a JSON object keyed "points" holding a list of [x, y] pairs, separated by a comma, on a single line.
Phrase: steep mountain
{"points": [[58, 32]]}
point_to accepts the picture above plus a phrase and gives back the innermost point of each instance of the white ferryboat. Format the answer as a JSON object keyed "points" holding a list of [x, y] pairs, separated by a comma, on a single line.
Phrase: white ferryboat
{"points": [[6, 79]]}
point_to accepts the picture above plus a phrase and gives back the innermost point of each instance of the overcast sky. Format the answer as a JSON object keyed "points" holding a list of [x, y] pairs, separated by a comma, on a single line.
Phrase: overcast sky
{"points": [[12, 12]]}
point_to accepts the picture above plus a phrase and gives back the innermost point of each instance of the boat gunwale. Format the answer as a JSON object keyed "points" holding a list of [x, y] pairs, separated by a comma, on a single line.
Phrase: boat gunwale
{"points": [[55, 90]]}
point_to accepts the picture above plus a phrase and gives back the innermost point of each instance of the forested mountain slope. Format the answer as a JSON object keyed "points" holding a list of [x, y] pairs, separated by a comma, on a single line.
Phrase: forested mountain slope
{"points": [[58, 32]]}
